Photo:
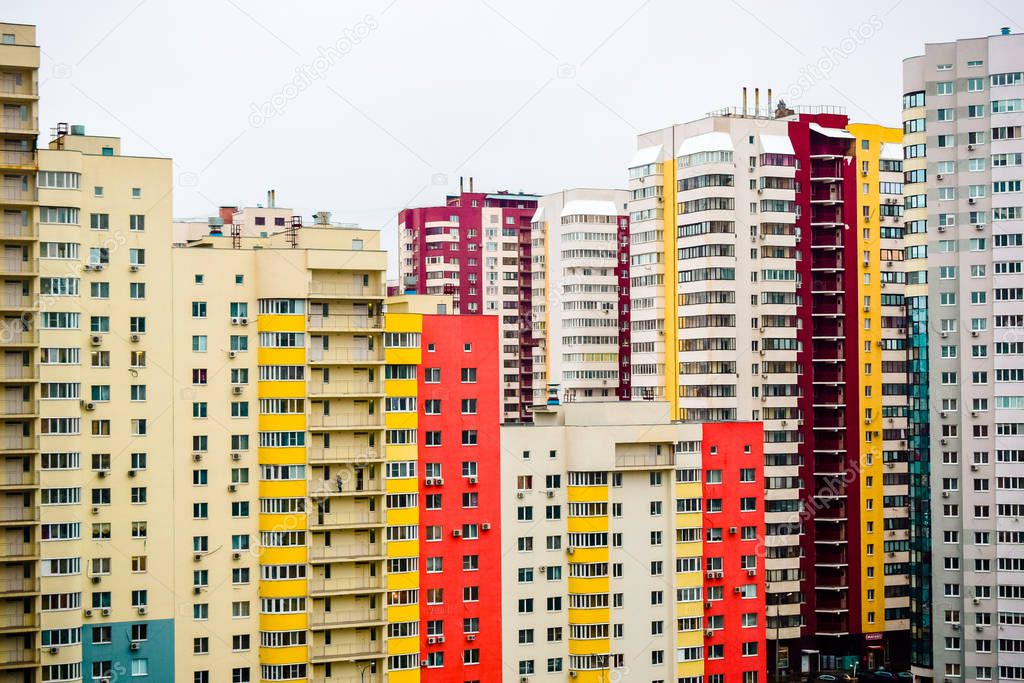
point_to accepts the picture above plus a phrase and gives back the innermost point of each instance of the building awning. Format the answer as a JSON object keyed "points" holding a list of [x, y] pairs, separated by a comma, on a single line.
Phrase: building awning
{"points": [[538, 215], [831, 132], [892, 151], [708, 142], [646, 156], [776, 144], [589, 207]]}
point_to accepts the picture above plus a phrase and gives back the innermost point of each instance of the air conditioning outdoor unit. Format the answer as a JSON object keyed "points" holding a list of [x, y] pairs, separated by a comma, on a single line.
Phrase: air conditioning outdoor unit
{"points": [[96, 340], [135, 339], [236, 390], [236, 456]]}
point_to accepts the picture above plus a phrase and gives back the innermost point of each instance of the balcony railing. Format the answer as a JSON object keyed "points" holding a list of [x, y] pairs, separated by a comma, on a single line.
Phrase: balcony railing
{"points": [[16, 123], [328, 289], [318, 355], [17, 157], [9, 621], [345, 388], [12, 371], [345, 617], [351, 518], [17, 513], [343, 321], [19, 443], [332, 487], [16, 229], [15, 407], [362, 677], [356, 584], [13, 265], [642, 460], [345, 420], [17, 478], [345, 551], [12, 300], [18, 585], [17, 194], [16, 549], [358, 649], [17, 656], [353, 454]]}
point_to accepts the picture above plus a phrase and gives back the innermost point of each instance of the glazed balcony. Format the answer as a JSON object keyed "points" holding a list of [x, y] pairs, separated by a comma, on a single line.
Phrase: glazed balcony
{"points": [[356, 673]]}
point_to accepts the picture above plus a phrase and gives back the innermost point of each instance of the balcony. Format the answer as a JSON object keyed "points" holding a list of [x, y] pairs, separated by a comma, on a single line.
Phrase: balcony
{"points": [[13, 658], [18, 444], [346, 356], [17, 302], [644, 460], [15, 587], [347, 584], [366, 649], [18, 195], [12, 478], [346, 421], [344, 322], [17, 514], [346, 388], [16, 409], [833, 603], [332, 487], [15, 124], [347, 519], [349, 454], [17, 266], [15, 230], [341, 290], [17, 159], [347, 552], [354, 677], [350, 618], [826, 169], [12, 372], [17, 622], [17, 551]]}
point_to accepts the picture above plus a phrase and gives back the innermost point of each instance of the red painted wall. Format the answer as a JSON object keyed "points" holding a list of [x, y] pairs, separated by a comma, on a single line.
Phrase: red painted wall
{"points": [[448, 335], [732, 441]]}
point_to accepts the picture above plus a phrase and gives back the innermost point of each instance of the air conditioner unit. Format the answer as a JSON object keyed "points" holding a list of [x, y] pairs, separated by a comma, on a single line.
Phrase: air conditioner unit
{"points": [[197, 556], [708, 633], [431, 640], [974, 467], [519, 494], [863, 174], [142, 610], [867, 308], [232, 488], [96, 340], [945, 494], [732, 530], [977, 601], [938, 176], [423, 662], [88, 612], [235, 321], [945, 441], [942, 413], [737, 589], [472, 480], [132, 473], [105, 611], [751, 572], [88, 405], [196, 457], [135, 339], [243, 321], [944, 334], [53, 650], [236, 390], [197, 589], [95, 510], [955, 627], [974, 413], [232, 354], [486, 526], [751, 169], [134, 268], [707, 605], [970, 200], [970, 148], [762, 352], [974, 333], [236, 456], [942, 228], [471, 637], [979, 628], [867, 420], [570, 550], [236, 556], [457, 533], [95, 579], [440, 639], [979, 226]]}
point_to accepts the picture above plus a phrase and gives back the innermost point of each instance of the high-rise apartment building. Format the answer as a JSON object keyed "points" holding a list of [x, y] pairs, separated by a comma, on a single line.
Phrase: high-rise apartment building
{"points": [[476, 248], [457, 410], [774, 295], [963, 150], [19, 234], [633, 546], [580, 274]]}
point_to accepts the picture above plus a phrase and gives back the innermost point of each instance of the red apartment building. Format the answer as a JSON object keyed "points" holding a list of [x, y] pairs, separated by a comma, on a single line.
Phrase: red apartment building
{"points": [[476, 248], [732, 460], [460, 535]]}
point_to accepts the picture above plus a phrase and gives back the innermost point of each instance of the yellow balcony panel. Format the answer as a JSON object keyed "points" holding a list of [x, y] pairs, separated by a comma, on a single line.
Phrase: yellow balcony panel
{"points": [[400, 421], [363, 583], [18, 373], [283, 622], [401, 582], [589, 585], [587, 494], [280, 323], [320, 619], [586, 524], [18, 587], [584, 555], [282, 489], [347, 552], [337, 288], [402, 646], [16, 302], [359, 649], [17, 657], [402, 486], [283, 655], [596, 646], [601, 615], [281, 389], [402, 548], [402, 613], [282, 456], [283, 589], [296, 555], [281, 423], [281, 356], [360, 674], [18, 444], [401, 452], [403, 356], [400, 387]]}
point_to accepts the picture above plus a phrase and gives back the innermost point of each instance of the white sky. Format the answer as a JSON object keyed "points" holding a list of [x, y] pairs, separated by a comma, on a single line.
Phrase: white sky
{"points": [[522, 95]]}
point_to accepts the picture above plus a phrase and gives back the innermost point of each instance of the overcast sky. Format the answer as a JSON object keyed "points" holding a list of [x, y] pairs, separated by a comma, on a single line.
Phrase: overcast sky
{"points": [[363, 108]]}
